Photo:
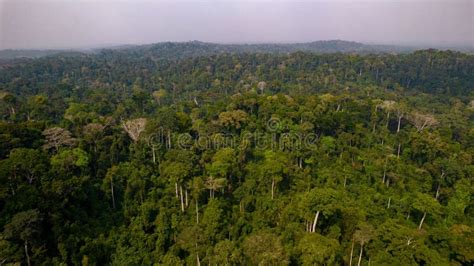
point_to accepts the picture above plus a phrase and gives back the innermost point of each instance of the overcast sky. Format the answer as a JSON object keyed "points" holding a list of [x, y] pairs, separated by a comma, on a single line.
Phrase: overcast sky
{"points": [[87, 23]]}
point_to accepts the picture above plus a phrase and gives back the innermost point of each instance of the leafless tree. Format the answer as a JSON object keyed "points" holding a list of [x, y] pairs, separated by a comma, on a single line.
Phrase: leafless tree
{"points": [[93, 129], [363, 236], [422, 121], [261, 86], [57, 137], [388, 106], [134, 128]]}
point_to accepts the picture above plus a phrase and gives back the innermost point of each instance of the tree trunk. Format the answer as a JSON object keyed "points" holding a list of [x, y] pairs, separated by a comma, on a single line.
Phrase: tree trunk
{"points": [[388, 119], [273, 187], [315, 222], [352, 252], [423, 126], [399, 121], [399, 148], [197, 212], [186, 198], [388, 204], [169, 139], [112, 191], [11, 187], [422, 220], [27, 255], [176, 188], [360, 254], [181, 198], [30, 177], [154, 154], [439, 186]]}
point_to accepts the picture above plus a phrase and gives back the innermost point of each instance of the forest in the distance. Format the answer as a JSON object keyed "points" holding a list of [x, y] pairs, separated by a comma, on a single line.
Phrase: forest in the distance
{"points": [[174, 50], [141, 156]]}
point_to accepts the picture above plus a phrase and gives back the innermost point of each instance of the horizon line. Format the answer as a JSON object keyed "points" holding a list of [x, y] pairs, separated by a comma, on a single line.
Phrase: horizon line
{"points": [[117, 45]]}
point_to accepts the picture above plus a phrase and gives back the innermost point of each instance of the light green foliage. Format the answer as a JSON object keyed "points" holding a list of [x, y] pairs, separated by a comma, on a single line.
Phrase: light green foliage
{"points": [[264, 248], [79, 114], [462, 198], [315, 249], [69, 159], [223, 163], [326, 200], [233, 119], [426, 203]]}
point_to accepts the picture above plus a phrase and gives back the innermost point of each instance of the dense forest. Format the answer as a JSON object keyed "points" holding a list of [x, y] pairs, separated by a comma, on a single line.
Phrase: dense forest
{"points": [[129, 157], [195, 48]]}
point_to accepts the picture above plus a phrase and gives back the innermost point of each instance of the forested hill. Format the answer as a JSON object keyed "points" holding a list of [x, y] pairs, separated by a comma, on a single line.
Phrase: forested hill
{"points": [[172, 50], [131, 157], [65, 75], [180, 50], [177, 50], [15, 54]]}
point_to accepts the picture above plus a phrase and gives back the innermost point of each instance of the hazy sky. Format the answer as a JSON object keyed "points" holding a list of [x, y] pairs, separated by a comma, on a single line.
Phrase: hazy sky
{"points": [[86, 23]]}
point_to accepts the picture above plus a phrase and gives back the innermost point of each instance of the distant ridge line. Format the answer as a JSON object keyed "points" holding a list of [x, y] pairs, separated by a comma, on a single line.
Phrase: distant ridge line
{"points": [[177, 50]]}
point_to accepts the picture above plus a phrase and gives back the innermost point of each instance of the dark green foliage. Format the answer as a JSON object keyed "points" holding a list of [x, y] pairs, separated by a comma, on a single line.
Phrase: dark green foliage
{"points": [[237, 159]]}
